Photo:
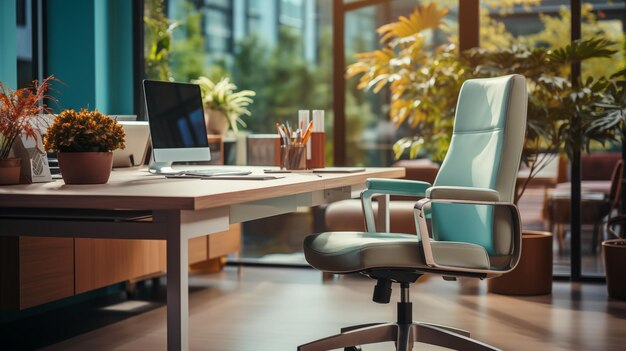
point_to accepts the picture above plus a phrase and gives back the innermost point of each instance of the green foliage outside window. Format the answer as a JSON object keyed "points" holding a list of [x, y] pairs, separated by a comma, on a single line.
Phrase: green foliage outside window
{"points": [[187, 54], [158, 39]]}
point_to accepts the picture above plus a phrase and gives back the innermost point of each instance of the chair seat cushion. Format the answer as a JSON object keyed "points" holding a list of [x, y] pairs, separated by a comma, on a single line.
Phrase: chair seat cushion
{"points": [[344, 252]]}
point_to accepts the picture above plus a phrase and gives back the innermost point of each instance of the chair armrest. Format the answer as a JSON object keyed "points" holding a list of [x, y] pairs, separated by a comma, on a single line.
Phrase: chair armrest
{"points": [[422, 206], [396, 186], [377, 186], [462, 193]]}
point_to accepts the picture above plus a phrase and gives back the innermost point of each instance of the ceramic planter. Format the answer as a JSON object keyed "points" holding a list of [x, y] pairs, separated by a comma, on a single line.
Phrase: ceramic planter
{"points": [[533, 274], [85, 167], [614, 252], [10, 171], [217, 122]]}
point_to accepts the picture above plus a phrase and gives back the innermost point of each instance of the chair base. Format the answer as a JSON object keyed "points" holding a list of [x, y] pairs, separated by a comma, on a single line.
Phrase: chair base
{"points": [[404, 335]]}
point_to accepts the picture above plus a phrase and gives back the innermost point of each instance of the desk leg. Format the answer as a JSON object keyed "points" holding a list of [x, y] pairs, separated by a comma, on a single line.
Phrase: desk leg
{"points": [[177, 287]]}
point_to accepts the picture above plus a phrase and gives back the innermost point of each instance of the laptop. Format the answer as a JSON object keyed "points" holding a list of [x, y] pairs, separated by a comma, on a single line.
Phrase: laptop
{"points": [[137, 138]]}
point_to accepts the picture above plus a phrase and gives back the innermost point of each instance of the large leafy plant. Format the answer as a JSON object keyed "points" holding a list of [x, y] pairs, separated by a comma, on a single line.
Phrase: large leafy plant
{"points": [[424, 82]]}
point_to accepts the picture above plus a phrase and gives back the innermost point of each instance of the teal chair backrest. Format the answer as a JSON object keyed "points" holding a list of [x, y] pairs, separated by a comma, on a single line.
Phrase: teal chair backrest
{"points": [[485, 152]]}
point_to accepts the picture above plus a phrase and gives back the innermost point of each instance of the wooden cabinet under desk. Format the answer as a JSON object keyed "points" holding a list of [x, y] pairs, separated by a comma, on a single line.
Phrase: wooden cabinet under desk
{"points": [[35, 270]]}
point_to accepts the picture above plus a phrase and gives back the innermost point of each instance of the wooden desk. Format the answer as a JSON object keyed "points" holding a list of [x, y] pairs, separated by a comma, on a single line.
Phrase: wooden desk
{"points": [[180, 209]]}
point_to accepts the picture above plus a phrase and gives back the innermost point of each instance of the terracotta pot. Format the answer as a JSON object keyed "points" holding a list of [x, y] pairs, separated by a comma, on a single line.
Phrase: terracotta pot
{"points": [[614, 252], [216, 121], [533, 274], [10, 171], [85, 167]]}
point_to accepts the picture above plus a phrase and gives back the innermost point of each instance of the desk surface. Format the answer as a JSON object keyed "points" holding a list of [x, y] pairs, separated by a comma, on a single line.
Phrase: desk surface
{"points": [[137, 189]]}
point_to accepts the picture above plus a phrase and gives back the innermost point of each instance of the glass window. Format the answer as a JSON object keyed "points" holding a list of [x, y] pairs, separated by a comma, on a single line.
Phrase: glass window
{"points": [[547, 24], [370, 129], [292, 13], [218, 29], [25, 59], [600, 19], [280, 49], [253, 14], [541, 24]]}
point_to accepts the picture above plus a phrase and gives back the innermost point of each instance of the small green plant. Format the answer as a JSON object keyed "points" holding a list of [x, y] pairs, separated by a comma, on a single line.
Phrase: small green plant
{"points": [[84, 131], [222, 96]]}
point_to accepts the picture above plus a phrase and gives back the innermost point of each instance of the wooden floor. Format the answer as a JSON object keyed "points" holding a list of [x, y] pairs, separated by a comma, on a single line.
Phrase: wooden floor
{"points": [[273, 309]]}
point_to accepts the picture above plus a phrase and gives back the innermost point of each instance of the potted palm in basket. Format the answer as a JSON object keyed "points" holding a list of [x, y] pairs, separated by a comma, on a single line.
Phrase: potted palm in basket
{"points": [[223, 104]]}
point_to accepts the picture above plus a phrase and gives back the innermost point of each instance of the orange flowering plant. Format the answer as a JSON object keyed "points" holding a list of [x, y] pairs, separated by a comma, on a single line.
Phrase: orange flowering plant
{"points": [[84, 131], [19, 109]]}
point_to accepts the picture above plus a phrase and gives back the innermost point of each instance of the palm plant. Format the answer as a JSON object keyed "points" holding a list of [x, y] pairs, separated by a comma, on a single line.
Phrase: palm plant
{"points": [[222, 96], [423, 78]]}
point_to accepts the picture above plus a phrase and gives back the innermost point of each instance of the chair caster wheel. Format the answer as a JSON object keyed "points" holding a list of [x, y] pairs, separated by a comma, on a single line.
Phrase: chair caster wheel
{"points": [[352, 348]]}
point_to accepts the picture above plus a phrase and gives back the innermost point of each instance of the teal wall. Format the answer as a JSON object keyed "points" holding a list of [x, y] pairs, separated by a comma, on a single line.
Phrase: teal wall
{"points": [[89, 49], [8, 44], [114, 56], [70, 53]]}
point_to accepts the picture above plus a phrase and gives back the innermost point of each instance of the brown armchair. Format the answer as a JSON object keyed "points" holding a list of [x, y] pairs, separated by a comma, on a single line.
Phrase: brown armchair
{"points": [[597, 202], [347, 215]]}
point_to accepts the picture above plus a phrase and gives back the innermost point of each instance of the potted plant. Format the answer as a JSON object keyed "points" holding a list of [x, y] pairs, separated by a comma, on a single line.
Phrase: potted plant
{"points": [[223, 104], [424, 82], [614, 253], [84, 141], [18, 112]]}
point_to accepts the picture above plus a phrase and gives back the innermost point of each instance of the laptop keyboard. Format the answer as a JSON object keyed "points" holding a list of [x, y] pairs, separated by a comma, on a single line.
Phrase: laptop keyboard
{"points": [[214, 172]]}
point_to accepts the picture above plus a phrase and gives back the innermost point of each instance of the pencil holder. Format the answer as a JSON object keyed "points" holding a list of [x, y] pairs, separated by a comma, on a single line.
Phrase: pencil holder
{"points": [[293, 156]]}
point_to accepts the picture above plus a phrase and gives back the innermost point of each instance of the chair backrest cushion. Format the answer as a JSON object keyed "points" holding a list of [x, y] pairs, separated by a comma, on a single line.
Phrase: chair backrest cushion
{"points": [[485, 152]]}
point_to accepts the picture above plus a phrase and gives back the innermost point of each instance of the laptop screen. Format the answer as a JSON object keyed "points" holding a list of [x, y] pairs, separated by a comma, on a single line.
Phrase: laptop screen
{"points": [[175, 114]]}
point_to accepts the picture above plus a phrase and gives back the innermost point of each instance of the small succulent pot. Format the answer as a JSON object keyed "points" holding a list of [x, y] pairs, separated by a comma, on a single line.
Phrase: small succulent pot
{"points": [[10, 171], [85, 167]]}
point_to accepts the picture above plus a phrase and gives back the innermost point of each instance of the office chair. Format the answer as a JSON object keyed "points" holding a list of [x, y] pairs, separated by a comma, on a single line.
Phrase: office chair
{"points": [[467, 223]]}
